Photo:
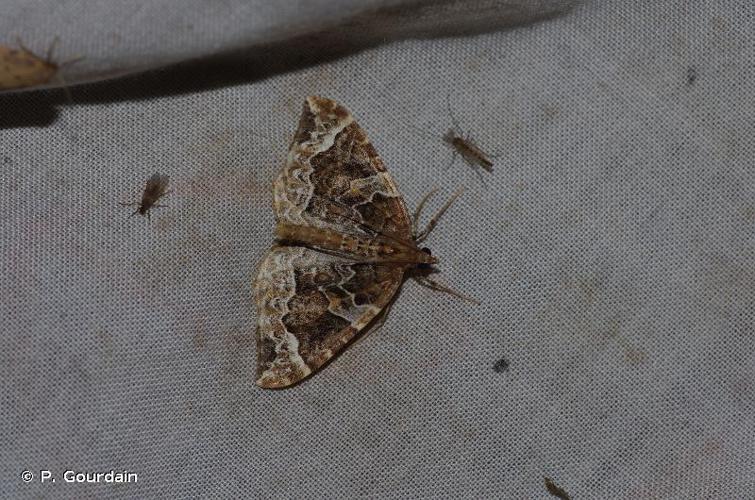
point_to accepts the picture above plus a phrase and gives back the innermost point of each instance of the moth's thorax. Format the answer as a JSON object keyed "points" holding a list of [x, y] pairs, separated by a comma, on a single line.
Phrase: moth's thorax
{"points": [[375, 249]]}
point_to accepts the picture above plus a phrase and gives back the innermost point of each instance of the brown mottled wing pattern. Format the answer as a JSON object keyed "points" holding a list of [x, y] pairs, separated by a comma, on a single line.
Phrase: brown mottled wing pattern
{"points": [[310, 304], [333, 177]]}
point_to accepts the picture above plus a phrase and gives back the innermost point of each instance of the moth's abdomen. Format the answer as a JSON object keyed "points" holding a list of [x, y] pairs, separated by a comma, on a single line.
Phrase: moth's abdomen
{"points": [[360, 246], [327, 239], [378, 249]]}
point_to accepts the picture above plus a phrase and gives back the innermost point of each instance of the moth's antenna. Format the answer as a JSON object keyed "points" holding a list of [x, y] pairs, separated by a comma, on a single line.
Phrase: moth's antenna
{"points": [[434, 221], [421, 206]]}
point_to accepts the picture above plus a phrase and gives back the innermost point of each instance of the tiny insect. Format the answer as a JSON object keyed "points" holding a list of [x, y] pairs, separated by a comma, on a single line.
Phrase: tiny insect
{"points": [[155, 189], [501, 365], [21, 68], [691, 75], [556, 490], [465, 146]]}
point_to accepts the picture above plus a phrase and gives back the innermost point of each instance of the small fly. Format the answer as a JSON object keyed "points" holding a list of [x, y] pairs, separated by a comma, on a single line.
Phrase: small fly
{"points": [[155, 189], [465, 146]]}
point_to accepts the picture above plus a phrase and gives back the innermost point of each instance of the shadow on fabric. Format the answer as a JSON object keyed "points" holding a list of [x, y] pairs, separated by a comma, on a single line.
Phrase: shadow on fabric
{"points": [[422, 20]]}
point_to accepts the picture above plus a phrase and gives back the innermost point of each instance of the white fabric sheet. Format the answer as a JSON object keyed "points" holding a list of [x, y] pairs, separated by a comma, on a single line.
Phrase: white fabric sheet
{"points": [[613, 250]]}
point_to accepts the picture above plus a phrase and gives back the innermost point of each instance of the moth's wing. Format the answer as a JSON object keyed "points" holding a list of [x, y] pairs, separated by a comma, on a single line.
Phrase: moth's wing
{"points": [[20, 68], [333, 177], [310, 305]]}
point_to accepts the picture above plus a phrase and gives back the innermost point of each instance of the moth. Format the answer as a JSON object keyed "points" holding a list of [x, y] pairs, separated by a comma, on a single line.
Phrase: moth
{"points": [[21, 68], [155, 189], [345, 242]]}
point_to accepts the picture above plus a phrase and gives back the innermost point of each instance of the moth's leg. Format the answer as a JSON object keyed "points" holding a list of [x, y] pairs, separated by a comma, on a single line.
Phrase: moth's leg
{"points": [[419, 238], [418, 211], [439, 287]]}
